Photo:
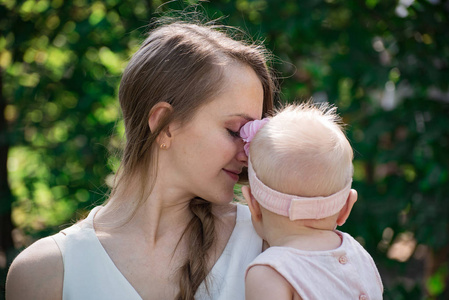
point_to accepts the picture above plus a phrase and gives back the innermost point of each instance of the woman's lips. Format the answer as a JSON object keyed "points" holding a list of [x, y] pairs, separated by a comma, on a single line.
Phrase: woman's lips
{"points": [[233, 174]]}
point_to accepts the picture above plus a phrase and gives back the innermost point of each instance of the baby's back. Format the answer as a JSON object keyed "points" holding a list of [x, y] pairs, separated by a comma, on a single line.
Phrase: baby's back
{"points": [[347, 272]]}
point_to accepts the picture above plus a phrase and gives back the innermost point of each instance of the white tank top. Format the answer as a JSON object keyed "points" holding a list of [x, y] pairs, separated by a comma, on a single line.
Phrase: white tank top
{"points": [[89, 273]]}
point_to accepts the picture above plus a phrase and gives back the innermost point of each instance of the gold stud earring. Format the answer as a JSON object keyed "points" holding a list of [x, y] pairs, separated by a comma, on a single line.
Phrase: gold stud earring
{"points": [[163, 146]]}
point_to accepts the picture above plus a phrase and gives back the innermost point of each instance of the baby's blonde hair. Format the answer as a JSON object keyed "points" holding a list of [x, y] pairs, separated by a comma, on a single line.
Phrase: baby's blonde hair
{"points": [[303, 151]]}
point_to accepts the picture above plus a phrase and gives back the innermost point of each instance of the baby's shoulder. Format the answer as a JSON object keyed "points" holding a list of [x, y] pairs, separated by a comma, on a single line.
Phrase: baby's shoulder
{"points": [[350, 243], [37, 272]]}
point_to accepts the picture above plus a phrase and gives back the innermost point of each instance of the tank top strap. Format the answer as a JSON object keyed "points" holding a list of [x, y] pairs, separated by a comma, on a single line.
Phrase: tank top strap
{"points": [[89, 221]]}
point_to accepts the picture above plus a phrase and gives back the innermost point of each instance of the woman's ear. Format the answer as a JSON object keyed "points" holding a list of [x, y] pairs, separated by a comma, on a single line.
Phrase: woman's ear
{"points": [[252, 203], [155, 117], [346, 210]]}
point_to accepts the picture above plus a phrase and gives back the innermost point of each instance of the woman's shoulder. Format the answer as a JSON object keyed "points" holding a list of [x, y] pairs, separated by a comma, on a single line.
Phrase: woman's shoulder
{"points": [[37, 272]]}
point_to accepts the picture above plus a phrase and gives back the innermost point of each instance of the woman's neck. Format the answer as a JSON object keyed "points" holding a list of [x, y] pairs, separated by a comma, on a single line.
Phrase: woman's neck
{"points": [[152, 214]]}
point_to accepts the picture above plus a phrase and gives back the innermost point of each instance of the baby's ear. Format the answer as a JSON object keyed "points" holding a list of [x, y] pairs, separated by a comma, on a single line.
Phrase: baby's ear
{"points": [[346, 210], [252, 203]]}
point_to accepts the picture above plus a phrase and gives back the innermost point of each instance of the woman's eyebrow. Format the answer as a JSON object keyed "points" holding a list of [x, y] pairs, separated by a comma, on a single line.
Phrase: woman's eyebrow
{"points": [[245, 116]]}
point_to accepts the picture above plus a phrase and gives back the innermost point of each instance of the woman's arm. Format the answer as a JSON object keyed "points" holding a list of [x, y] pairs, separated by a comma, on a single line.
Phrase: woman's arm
{"points": [[263, 282], [37, 273]]}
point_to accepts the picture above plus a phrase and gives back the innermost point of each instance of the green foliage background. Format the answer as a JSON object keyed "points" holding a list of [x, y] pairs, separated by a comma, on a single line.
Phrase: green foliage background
{"points": [[384, 63]]}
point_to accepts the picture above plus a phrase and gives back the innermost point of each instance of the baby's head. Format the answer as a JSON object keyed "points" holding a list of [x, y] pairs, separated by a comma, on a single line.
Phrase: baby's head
{"points": [[303, 151], [300, 163]]}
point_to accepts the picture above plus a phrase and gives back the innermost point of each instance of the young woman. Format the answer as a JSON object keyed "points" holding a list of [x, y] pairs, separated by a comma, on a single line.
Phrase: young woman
{"points": [[169, 229]]}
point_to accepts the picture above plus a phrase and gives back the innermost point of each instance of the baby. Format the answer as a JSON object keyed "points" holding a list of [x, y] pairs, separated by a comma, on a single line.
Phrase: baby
{"points": [[300, 174]]}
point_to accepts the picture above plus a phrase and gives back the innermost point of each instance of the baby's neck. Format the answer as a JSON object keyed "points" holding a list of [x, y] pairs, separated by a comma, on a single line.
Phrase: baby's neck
{"points": [[303, 237]]}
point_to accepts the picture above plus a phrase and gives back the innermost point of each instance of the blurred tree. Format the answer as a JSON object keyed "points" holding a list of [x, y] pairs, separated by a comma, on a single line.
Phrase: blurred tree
{"points": [[383, 63], [6, 226]]}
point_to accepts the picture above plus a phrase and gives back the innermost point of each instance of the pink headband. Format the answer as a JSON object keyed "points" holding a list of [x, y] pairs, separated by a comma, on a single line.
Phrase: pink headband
{"points": [[294, 207]]}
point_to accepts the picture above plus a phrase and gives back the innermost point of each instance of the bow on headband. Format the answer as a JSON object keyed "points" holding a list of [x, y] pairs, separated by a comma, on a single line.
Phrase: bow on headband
{"points": [[249, 130]]}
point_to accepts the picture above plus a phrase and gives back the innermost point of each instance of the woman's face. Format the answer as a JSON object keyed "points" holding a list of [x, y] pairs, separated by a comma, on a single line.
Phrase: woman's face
{"points": [[207, 154]]}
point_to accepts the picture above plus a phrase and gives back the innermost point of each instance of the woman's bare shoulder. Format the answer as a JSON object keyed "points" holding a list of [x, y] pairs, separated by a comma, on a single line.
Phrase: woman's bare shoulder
{"points": [[37, 272]]}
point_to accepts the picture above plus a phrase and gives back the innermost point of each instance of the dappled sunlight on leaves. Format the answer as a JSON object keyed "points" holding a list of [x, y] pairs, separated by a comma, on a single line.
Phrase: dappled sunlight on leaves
{"points": [[403, 247]]}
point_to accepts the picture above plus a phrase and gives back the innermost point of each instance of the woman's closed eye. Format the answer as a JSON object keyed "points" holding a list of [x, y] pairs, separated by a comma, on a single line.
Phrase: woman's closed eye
{"points": [[232, 133]]}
